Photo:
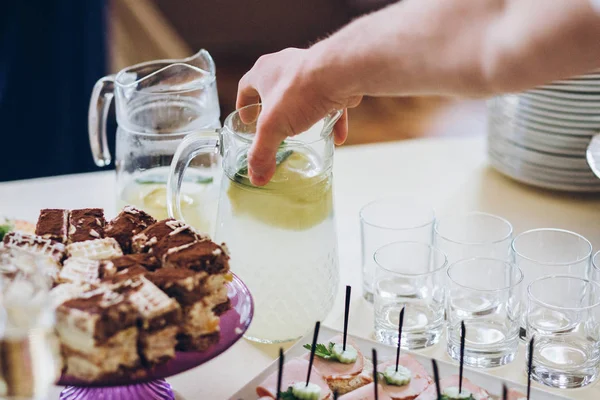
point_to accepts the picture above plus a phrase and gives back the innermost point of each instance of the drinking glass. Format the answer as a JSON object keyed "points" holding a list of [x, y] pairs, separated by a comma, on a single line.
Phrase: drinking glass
{"points": [[30, 360], [595, 274], [563, 316], [410, 275], [542, 252], [389, 220], [474, 234], [485, 293]]}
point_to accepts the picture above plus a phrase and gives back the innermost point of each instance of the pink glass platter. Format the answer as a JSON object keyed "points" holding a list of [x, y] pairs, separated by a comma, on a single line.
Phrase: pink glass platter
{"points": [[233, 324]]}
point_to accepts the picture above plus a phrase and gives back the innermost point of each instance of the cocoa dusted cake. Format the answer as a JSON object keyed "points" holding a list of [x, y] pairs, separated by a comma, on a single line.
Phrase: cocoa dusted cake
{"points": [[128, 292]]}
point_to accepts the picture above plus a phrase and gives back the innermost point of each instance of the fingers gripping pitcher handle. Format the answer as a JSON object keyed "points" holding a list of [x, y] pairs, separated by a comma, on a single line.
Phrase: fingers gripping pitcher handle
{"points": [[190, 147], [99, 105]]}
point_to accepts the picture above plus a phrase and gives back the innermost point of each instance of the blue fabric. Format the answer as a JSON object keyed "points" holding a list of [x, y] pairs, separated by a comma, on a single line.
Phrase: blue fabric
{"points": [[51, 54]]}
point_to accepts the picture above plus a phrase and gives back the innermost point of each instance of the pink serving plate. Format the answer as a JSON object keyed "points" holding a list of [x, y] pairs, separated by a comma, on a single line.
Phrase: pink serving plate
{"points": [[234, 323]]}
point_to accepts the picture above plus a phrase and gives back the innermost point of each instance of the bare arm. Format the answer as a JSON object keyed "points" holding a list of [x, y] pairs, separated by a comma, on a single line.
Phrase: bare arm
{"points": [[449, 47]]}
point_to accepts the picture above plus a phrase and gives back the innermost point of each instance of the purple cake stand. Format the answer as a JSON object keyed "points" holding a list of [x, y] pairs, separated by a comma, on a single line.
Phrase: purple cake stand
{"points": [[152, 385]]}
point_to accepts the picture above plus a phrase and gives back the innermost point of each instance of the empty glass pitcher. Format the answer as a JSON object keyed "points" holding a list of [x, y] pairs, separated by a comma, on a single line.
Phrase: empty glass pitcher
{"points": [[282, 236], [157, 104]]}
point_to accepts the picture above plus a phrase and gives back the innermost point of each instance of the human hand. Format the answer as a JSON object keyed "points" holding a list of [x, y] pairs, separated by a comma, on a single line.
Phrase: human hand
{"points": [[296, 92]]}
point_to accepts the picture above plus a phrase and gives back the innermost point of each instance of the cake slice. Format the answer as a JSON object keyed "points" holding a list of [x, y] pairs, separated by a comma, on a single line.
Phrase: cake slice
{"points": [[159, 315], [68, 291], [164, 235], [143, 260], [53, 224], [83, 270], [36, 244], [127, 224], [97, 249], [17, 260], [98, 333], [86, 224], [204, 255]]}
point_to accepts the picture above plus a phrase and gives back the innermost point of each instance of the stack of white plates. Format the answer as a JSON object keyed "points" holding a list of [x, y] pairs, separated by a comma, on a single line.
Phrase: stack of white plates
{"points": [[540, 137]]}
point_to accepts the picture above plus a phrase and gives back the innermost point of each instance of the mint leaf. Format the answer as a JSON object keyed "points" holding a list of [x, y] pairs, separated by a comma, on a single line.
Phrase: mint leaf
{"points": [[325, 352], [4, 229]]}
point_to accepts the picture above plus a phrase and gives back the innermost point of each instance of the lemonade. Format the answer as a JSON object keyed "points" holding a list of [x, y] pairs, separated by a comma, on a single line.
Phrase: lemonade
{"points": [[199, 197], [283, 245]]}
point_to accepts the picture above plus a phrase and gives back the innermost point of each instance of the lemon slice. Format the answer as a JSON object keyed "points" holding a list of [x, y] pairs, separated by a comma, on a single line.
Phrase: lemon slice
{"points": [[297, 198]]}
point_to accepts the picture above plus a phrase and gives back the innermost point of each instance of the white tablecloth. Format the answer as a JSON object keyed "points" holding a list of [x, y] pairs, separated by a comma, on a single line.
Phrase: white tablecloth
{"points": [[451, 174]]}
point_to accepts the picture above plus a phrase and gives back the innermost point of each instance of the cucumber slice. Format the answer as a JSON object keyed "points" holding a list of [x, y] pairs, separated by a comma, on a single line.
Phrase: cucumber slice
{"points": [[452, 393], [302, 391], [397, 378], [345, 357]]}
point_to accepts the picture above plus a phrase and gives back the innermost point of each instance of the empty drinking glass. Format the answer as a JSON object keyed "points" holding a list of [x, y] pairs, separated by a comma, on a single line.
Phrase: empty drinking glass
{"points": [[474, 234], [542, 252], [389, 220], [410, 275], [596, 267], [563, 315], [486, 294]]}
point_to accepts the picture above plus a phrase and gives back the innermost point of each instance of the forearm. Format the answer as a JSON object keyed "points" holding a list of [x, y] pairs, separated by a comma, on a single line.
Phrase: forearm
{"points": [[460, 47]]}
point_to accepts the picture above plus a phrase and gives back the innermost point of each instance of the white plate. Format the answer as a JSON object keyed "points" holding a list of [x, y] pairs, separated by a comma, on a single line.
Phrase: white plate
{"points": [[539, 126], [510, 128], [514, 174], [567, 95], [525, 107], [512, 108], [543, 103], [582, 106], [587, 87], [546, 174], [528, 141], [537, 157], [480, 378]]}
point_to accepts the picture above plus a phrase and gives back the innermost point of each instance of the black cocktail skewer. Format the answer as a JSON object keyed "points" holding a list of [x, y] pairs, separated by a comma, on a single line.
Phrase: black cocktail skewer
{"points": [[436, 379], [375, 377], [335, 395], [279, 373], [312, 351], [530, 367], [400, 323], [462, 356], [504, 392], [346, 313]]}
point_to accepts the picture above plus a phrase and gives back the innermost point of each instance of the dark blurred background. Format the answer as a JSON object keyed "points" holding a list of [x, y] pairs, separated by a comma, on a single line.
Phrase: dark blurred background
{"points": [[53, 51]]}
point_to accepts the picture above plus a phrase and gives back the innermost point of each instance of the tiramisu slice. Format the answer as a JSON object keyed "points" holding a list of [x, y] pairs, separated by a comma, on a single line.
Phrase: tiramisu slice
{"points": [[84, 270], [36, 244], [204, 255], [53, 224], [86, 224], [98, 249], [127, 224], [98, 333], [163, 235], [68, 291], [159, 316], [144, 260]]}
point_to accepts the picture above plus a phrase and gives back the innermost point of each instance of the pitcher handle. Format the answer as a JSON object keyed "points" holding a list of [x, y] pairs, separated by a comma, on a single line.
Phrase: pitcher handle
{"points": [[191, 146], [99, 105]]}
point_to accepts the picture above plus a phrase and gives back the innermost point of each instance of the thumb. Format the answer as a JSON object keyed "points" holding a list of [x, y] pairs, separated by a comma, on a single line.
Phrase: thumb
{"points": [[261, 156]]}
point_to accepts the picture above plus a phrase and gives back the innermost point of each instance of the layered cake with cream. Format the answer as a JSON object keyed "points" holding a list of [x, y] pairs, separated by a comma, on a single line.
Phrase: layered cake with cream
{"points": [[127, 292]]}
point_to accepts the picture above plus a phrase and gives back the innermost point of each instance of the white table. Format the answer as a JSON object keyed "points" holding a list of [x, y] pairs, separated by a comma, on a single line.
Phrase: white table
{"points": [[451, 174]]}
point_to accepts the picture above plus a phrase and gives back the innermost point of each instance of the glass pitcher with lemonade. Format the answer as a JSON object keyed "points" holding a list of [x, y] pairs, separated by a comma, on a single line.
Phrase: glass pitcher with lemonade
{"points": [[157, 104], [281, 236]]}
